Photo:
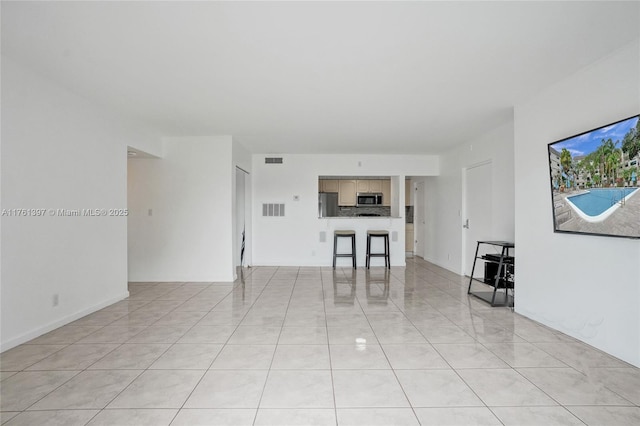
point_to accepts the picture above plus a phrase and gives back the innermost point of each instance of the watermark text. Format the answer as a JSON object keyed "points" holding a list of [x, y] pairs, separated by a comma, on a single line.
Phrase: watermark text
{"points": [[57, 212]]}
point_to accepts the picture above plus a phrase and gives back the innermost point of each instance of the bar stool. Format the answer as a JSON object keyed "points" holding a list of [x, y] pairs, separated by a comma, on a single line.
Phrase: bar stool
{"points": [[352, 255], [385, 254]]}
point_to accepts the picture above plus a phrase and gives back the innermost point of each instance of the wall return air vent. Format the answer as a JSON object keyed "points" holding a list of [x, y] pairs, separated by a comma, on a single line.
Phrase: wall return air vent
{"points": [[273, 160], [273, 209]]}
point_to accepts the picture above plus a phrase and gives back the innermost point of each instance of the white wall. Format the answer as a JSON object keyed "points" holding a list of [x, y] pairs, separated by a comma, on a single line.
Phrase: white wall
{"points": [[188, 237], [585, 286], [59, 152], [444, 196], [295, 238]]}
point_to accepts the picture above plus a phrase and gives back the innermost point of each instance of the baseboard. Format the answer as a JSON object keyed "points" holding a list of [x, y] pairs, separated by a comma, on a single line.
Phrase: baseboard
{"points": [[59, 323], [442, 265], [575, 334]]}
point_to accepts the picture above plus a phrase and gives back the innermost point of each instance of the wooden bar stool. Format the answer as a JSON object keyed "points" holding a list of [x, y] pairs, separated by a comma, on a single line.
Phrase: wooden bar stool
{"points": [[352, 255], [385, 254]]}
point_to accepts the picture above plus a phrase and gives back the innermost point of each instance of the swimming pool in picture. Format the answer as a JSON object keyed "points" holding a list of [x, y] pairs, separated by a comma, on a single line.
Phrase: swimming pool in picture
{"points": [[597, 204]]}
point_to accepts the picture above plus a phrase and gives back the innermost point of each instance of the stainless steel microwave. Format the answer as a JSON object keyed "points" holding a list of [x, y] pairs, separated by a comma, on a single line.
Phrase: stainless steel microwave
{"points": [[369, 199]]}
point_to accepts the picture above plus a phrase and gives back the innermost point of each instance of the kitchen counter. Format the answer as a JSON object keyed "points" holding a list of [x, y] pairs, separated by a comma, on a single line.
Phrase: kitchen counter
{"points": [[361, 217], [394, 224]]}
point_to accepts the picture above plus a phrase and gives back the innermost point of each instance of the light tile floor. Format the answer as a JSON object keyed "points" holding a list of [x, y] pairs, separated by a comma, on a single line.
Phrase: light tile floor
{"points": [[298, 346]]}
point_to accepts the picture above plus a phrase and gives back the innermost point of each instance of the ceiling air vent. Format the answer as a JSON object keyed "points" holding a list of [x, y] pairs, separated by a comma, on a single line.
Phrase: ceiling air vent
{"points": [[273, 160]]}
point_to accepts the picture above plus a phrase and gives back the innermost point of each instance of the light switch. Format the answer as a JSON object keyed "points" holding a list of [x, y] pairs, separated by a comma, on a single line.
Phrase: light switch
{"points": [[150, 212]]}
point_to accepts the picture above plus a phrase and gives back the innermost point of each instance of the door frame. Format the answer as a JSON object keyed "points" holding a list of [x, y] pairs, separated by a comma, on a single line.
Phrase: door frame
{"points": [[242, 198], [419, 229], [465, 211]]}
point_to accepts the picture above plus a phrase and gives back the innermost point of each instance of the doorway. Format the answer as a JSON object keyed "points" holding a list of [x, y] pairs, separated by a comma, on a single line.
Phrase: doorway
{"points": [[478, 211], [241, 234], [419, 218]]}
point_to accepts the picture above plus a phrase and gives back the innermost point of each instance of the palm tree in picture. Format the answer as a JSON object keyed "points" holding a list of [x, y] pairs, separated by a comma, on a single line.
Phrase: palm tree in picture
{"points": [[565, 163], [614, 161], [631, 141], [626, 175], [590, 168], [599, 156], [597, 179], [610, 159], [591, 163]]}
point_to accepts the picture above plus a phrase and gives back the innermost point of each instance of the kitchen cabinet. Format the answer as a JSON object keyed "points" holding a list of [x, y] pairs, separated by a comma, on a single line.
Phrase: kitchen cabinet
{"points": [[347, 192], [408, 237], [375, 186], [362, 186], [348, 189], [329, 185], [386, 192], [369, 186]]}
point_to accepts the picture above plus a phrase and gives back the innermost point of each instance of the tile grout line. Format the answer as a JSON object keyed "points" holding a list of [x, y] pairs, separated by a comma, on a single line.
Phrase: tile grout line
{"points": [[223, 345], [142, 371], [446, 304], [170, 345], [388, 361], [326, 327], [119, 346], [450, 366], [266, 380]]}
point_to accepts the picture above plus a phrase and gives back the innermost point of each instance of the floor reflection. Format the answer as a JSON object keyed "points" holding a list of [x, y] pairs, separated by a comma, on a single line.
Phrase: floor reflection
{"points": [[344, 286], [240, 285], [377, 285], [411, 338]]}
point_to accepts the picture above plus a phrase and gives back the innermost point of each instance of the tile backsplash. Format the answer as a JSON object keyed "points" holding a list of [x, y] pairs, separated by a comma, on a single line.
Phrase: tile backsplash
{"points": [[356, 211], [382, 211]]}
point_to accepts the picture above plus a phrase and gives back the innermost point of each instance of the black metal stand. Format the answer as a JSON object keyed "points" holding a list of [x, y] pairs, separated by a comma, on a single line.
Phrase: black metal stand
{"points": [[503, 278]]}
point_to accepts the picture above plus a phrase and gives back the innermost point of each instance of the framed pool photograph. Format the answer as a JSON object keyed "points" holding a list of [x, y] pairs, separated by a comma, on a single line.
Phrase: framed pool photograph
{"points": [[594, 181]]}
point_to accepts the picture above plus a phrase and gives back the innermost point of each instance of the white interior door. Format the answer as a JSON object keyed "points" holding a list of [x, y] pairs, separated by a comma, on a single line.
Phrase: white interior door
{"points": [[419, 219], [478, 212]]}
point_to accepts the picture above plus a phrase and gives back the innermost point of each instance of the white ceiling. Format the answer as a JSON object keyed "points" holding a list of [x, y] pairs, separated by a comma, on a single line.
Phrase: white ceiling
{"points": [[327, 77]]}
